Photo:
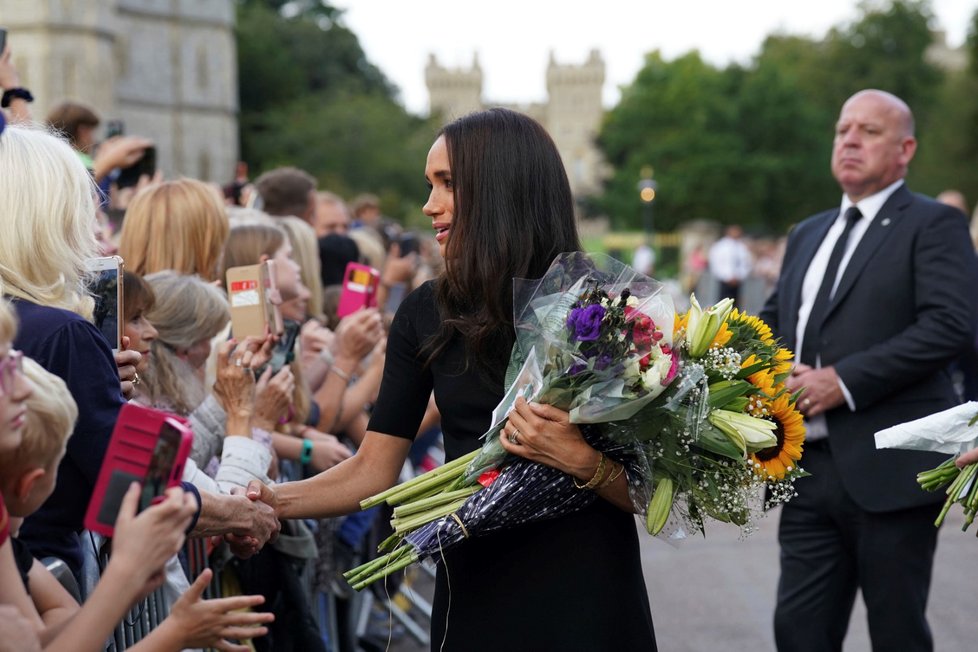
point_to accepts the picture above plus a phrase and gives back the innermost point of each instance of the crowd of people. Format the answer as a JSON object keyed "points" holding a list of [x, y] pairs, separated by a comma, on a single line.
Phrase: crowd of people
{"points": [[287, 442]]}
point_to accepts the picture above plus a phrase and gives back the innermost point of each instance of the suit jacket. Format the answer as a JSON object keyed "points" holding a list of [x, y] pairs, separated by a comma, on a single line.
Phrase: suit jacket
{"points": [[905, 306]]}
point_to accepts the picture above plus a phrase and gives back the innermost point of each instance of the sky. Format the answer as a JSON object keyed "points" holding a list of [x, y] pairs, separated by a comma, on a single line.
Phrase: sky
{"points": [[514, 38]]}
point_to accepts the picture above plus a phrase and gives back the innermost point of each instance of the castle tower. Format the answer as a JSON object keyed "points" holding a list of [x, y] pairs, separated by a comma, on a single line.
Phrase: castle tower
{"points": [[63, 49], [453, 92], [167, 68], [573, 118]]}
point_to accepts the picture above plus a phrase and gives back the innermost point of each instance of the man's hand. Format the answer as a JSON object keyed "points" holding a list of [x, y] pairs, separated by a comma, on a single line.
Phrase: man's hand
{"points": [[967, 458], [822, 391], [263, 526]]}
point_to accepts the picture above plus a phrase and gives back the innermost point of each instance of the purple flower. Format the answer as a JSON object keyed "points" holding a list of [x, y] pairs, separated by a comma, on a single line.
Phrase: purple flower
{"points": [[585, 323]]}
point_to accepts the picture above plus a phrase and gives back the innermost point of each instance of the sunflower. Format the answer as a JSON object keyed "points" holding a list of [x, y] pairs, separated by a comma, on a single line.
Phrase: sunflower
{"points": [[722, 337], [774, 462], [763, 379], [761, 330], [782, 359]]}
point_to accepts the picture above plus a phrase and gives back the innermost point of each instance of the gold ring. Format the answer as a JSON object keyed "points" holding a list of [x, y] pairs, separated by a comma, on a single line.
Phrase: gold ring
{"points": [[135, 379]]}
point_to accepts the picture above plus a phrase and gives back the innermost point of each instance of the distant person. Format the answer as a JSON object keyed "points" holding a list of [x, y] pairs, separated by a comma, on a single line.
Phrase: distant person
{"points": [[78, 123], [643, 260], [954, 198], [332, 215], [730, 262], [367, 214], [288, 191], [693, 268]]}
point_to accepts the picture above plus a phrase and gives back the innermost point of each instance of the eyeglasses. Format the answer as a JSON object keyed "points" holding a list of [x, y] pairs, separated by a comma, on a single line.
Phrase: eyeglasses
{"points": [[10, 367]]}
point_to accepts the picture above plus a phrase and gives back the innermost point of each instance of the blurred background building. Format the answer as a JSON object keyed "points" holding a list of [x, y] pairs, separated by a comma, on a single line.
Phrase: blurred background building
{"points": [[166, 68]]}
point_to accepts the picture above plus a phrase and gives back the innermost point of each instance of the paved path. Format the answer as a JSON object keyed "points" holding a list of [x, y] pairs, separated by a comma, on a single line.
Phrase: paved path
{"points": [[717, 593]]}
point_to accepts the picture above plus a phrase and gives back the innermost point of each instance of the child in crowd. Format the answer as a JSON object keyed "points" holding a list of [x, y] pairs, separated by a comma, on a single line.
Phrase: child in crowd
{"points": [[27, 477]]}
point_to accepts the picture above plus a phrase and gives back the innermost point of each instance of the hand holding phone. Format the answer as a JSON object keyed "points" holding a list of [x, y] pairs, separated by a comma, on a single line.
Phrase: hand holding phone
{"points": [[359, 289], [106, 288], [252, 295], [147, 446]]}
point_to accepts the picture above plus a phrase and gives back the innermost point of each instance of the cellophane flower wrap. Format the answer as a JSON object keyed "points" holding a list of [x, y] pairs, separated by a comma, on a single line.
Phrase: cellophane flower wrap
{"points": [[689, 405], [723, 435], [593, 338]]}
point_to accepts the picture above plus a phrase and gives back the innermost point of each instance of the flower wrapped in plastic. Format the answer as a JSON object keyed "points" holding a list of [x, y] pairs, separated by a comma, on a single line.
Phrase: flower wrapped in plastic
{"points": [[694, 407], [724, 434], [593, 338]]}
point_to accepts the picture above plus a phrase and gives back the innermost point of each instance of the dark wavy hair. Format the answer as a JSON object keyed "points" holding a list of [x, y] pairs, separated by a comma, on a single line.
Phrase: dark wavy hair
{"points": [[514, 214]]}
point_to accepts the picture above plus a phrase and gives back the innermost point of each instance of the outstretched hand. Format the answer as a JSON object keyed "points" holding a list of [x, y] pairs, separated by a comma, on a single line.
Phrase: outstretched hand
{"points": [[210, 623]]}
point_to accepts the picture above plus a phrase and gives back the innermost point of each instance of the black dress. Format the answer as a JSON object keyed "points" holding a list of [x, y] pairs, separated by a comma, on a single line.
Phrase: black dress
{"points": [[566, 584]]}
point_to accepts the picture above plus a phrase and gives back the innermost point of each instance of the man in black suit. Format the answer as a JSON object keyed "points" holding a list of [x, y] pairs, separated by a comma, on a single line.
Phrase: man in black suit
{"points": [[875, 297]]}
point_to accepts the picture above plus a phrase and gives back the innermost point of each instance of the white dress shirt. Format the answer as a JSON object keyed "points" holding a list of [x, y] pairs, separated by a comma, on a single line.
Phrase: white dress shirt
{"points": [[869, 207]]}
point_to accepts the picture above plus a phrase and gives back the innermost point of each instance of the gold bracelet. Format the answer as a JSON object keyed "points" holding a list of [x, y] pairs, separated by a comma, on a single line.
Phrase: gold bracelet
{"points": [[614, 475], [339, 372], [596, 478]]}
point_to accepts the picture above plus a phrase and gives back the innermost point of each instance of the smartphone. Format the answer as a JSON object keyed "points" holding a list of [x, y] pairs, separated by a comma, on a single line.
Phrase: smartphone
{"points": [[359, 289], [253, 297], [147, 446], [129, 177], [3, 38], [106, 288], [284, 351], [114, 128], [408, 244]]}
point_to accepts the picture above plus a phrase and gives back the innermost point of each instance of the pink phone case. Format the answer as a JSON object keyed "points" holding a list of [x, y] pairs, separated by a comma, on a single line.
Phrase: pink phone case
{"points": [[147, 446], [359, 289]]}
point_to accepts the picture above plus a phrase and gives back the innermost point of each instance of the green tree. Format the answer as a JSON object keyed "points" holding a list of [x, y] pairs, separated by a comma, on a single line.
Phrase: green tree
{"points": [[310, 98]]}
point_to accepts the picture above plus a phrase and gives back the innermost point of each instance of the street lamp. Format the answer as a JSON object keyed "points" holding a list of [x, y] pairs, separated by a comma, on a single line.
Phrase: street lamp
{"points": [[646, 192]]}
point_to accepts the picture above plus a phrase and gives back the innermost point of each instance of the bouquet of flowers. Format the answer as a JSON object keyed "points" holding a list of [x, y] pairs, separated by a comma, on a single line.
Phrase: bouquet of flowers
{"points": [[950, 432], [693, 407]]}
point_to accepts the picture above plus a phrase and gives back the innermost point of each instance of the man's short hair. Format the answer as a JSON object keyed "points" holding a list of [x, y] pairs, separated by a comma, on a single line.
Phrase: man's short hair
{"points": [[285, 191]]}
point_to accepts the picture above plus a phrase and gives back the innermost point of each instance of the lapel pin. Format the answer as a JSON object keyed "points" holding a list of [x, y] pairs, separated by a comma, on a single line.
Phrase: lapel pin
{"points": [[885, 222]]}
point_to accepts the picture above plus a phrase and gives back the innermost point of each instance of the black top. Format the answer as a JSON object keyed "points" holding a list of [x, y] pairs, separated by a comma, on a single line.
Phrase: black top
{"points": [[571, 583]]}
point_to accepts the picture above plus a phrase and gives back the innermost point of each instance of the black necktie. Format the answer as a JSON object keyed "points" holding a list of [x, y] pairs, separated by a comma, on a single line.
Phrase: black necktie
{"points": [[809, 351]]}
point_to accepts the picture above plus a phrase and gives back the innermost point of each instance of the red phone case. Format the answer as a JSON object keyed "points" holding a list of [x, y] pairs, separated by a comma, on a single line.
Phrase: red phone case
{"points": [[132, 449], [359, 289]]}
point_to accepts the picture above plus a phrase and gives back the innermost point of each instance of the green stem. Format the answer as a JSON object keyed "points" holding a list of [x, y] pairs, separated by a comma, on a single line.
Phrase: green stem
{"points": [[425, 480], [422, 505], [395, 566], [403, 526]]}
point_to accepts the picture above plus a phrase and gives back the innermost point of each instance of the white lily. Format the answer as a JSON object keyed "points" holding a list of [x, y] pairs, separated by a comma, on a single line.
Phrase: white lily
{"points": [[703, 325], [750, 434]]}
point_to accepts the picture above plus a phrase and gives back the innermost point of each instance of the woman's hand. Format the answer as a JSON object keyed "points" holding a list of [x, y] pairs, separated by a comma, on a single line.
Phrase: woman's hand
{"points": [[544, 434], [273, 397], [358, 334], [314, 338], [234, 386], [210, 623], [126, 362], [327, 451], [967, 458]]}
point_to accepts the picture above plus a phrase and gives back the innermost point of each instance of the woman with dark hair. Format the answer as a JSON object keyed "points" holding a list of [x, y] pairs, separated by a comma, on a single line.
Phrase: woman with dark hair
{"points": [[501, 207]]}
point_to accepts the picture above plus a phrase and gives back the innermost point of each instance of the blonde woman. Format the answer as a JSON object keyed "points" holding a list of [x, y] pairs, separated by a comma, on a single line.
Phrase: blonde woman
{"points": [[47, 233], [179, 225], [47, 221]]}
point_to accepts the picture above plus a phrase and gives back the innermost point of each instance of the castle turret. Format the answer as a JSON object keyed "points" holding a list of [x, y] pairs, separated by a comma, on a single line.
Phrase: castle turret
{"points": [[453, 92]]}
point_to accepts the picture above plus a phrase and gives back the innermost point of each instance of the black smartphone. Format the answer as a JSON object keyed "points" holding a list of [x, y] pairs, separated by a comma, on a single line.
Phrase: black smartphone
{"points": [[409, 244], [284, 351], [3, 38], [130, 176], [114, 128]]}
